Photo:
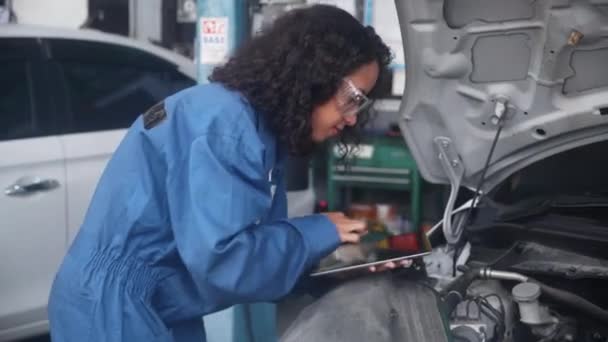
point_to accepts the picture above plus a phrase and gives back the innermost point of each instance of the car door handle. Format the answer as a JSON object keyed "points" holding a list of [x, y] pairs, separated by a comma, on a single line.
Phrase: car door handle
{"points": [[24, 187]]}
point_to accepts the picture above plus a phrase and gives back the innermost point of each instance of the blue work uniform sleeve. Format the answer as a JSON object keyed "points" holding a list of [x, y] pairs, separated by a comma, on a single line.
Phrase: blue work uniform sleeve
{"points": [[218, 197]]}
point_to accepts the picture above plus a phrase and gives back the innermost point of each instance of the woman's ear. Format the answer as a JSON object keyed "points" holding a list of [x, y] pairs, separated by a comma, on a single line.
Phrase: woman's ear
{"points": [[384, 84]]}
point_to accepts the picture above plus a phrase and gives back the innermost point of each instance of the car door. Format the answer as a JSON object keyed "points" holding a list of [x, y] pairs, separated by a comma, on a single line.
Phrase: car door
{"points": [[106, 87], [32, 190]]}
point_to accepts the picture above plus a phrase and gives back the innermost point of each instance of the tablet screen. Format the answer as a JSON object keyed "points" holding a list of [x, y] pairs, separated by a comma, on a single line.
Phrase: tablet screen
{"points": [[377, 247]]}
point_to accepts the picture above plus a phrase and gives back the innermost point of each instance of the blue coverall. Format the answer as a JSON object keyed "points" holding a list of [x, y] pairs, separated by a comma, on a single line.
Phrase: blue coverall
{"points": [[184, 223]]}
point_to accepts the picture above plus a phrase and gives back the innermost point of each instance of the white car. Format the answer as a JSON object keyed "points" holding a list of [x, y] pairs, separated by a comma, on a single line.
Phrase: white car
{"points": [[66, 97]]}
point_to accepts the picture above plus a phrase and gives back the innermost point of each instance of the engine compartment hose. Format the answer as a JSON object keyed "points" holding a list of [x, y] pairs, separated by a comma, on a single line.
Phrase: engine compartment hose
{"points": [[488, 273], [561, 296], [575, 301], [457, 290]]}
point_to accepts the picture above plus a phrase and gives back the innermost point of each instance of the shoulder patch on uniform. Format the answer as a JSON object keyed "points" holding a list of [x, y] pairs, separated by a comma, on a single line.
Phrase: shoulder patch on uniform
{"points": [[155, 115]]}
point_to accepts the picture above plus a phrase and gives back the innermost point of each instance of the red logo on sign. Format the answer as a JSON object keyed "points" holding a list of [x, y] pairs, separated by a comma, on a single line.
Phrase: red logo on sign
{"points": [[213, 27]]}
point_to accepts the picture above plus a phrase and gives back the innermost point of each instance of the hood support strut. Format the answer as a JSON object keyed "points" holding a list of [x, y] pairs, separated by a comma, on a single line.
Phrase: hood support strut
{"points": [[454, 169]]}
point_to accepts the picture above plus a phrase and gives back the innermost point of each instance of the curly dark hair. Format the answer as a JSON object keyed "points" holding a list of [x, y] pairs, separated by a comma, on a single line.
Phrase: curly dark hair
{"points": [[298, 64]]}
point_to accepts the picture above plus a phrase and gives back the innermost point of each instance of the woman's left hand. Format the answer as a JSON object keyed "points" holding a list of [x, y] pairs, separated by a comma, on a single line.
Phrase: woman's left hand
{"points": [[391, 265]]}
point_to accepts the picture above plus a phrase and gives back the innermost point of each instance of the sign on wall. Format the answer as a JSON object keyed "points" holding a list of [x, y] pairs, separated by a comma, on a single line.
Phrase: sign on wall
{"points": [[214, 46]]}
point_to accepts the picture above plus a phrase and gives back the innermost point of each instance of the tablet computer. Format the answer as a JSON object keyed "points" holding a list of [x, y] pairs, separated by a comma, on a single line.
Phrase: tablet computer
{"points": [[375, 248]]}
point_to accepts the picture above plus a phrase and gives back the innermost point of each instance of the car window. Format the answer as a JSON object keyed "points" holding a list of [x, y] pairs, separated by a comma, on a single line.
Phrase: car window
{"points": [[108, 86], [17, 117]]}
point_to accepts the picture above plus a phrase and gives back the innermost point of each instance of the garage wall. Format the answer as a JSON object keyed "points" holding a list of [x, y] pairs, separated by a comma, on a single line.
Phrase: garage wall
{"points": [[64, 13]]}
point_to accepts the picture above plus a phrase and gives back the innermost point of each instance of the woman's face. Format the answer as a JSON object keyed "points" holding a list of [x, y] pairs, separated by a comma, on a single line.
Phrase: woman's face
{"points": [[329, 118]]}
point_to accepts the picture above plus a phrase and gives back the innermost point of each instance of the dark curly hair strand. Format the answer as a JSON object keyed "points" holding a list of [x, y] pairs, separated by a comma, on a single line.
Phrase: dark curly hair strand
{"points": [[298, 64]]}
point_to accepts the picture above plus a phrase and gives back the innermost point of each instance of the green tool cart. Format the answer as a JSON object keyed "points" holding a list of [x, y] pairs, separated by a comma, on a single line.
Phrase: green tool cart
{"points": [[381, 162]]}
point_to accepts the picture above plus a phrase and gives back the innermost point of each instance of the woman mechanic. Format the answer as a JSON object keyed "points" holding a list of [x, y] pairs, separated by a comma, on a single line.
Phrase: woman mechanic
{"points": [[189, 216]]}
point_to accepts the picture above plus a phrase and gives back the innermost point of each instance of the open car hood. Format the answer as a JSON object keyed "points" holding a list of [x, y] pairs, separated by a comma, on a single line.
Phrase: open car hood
{"points": [[546, 62]]}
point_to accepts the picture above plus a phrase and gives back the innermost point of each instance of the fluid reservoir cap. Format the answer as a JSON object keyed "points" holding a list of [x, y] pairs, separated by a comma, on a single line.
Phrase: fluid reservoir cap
{"points": [[526, 292]]}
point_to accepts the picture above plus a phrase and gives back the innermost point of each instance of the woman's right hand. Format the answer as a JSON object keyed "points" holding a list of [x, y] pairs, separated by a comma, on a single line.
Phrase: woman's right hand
{"points": [[349, 230]]}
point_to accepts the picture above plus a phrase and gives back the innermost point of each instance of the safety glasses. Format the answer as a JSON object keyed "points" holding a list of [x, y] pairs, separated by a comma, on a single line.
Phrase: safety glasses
{"points": [[351, 100]]}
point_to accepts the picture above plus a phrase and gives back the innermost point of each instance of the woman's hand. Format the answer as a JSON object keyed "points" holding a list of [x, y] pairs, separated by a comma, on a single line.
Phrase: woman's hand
{"points": [[391, 265], [350, 230]]}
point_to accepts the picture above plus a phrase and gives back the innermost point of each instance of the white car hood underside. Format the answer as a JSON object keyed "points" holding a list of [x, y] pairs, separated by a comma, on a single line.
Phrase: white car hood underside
{"points": [[547, 61]]}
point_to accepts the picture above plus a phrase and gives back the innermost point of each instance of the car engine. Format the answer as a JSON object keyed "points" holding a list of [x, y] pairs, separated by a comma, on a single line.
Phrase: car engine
{"points": [[556, 295]]}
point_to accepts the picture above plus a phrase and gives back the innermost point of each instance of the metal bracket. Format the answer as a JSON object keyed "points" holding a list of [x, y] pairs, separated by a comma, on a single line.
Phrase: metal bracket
{"points": [[454, 169]]}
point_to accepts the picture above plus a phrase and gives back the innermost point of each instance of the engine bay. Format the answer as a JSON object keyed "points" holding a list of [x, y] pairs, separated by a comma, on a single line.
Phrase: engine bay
{"points": [[535, 279]]}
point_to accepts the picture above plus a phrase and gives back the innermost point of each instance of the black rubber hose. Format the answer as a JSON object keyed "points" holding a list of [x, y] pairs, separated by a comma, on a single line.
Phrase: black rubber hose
{"points": [[577, 302], [456, 291]]}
